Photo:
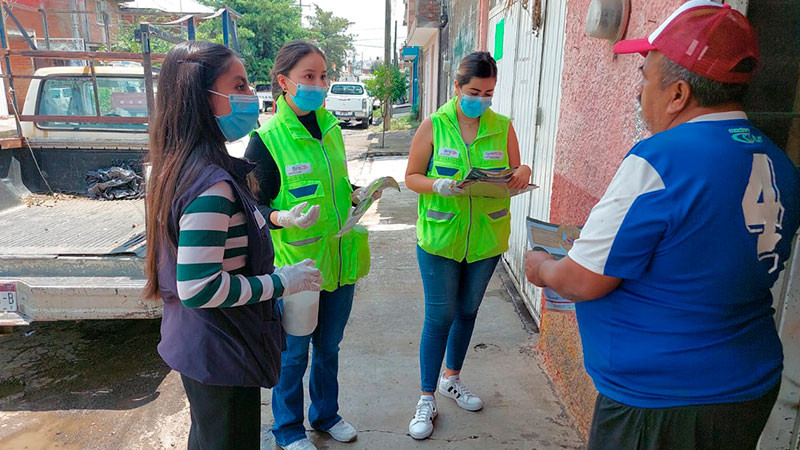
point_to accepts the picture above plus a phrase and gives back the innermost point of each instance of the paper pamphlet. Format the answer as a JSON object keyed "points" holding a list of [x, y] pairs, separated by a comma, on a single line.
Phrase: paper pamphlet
{"points": [[366, 194], [556, 240], [490, 183]]}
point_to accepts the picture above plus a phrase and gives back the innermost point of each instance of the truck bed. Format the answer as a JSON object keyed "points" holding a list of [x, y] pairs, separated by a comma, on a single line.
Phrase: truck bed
{"points": [[72, 258], [65, 225]]}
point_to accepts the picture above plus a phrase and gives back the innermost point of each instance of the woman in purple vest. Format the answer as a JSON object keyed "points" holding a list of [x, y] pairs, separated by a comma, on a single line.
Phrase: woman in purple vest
{"points": [[209, 254]]}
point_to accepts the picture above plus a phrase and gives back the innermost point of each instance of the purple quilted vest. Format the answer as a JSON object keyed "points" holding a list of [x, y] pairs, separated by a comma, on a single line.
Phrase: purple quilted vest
{"points": [[239, 346]]}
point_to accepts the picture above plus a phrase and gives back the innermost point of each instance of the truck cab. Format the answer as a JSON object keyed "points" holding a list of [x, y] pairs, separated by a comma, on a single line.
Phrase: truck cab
{"points": [[264, 93], [350, 102]]}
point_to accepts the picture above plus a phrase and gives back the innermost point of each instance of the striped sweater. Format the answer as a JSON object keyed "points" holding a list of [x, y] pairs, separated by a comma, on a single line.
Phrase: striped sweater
{"points": [[212, 254]]}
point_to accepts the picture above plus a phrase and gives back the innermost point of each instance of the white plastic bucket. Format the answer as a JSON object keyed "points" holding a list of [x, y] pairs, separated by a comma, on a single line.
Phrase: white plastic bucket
{"points": [[300, 313]]}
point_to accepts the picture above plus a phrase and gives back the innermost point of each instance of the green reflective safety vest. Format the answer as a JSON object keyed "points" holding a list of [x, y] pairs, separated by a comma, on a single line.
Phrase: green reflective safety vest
{"points": [[315, 171], [460, 227]]}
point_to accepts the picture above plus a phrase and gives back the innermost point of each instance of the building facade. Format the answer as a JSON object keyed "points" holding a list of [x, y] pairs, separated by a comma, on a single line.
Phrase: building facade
{"points": [[75, 31]]}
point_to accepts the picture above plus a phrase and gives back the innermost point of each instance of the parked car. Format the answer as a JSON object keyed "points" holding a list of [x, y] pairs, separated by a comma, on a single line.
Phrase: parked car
{"points": [[350, 102], [264, 93]]}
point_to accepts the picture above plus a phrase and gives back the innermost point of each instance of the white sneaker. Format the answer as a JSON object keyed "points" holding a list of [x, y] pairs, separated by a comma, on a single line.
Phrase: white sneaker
{"points": [[302, 444], [421, 426], [342, 432], [453, 387]]}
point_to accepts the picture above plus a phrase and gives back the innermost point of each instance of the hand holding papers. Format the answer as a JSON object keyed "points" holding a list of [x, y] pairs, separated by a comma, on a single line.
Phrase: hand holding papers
{"points": [[490, 183], [367, 196], [556, 240]]}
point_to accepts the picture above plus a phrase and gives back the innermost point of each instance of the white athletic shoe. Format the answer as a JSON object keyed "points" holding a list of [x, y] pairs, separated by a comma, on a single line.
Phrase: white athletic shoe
{"points": [[342, 432], [421, 426], [302, 444], [453, 387]]}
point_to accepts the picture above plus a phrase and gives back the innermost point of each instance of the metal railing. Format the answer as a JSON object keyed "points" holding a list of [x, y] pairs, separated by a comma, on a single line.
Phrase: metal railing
{"points": [[143, 34]]}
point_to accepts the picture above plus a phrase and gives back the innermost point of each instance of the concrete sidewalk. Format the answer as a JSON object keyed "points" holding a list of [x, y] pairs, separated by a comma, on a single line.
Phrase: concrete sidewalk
{"points": [[396, 143], [379, 364]]}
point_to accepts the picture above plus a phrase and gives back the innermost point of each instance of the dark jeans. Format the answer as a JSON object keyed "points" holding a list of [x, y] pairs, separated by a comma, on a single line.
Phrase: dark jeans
{"points": [[724, 426], [323, 383], [453, 293], [223, 417]]}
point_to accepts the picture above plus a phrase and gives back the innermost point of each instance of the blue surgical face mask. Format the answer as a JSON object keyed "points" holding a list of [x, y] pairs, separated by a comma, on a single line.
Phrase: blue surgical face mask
{"points": [[243, 117], [309, 98], [473, 106]]}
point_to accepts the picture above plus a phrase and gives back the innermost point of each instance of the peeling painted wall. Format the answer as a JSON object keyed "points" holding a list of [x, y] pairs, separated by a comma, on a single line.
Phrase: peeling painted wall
{"points": [[598, 124], [462, 38]]}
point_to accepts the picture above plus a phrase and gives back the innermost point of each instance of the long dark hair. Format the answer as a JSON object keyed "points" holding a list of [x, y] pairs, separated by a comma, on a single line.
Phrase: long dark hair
{"points": [[184, 139], [287, 58], [476, 65]]}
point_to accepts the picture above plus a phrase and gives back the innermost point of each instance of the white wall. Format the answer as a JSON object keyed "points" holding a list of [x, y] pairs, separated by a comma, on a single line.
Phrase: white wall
{"points": [[430, 69]]}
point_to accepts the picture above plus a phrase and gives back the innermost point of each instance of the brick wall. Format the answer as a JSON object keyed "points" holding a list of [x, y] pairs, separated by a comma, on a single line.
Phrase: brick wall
{"points": [[60, 26]]}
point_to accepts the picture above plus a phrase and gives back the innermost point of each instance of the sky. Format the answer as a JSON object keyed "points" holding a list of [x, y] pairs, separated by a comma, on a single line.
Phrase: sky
{"points": [[368, 22]]}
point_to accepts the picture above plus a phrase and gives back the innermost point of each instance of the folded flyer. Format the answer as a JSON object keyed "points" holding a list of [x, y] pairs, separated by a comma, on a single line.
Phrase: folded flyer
{"points": [[490, 183], [366, 201], [556, 240]]}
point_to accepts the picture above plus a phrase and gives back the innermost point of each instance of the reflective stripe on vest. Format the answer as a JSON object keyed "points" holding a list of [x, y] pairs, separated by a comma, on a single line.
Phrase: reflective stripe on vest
{"points": [[315, 172], [460, 227]]}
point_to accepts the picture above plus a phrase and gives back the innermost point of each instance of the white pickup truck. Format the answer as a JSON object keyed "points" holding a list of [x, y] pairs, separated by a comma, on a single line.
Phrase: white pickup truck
{"points": [[70, 257], [264, 93], [350, 102]]}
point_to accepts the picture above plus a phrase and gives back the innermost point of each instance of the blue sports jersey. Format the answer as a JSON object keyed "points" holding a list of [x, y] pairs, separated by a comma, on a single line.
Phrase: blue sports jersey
{"points": [[698, 222]]}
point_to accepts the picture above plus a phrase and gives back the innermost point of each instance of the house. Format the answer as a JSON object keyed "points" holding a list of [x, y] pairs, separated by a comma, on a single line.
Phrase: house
{"points": [[90, 29], [573, 105]]}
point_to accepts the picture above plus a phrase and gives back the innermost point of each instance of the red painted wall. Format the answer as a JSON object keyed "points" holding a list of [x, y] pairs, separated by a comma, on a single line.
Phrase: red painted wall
{"points": [[597, 126]]}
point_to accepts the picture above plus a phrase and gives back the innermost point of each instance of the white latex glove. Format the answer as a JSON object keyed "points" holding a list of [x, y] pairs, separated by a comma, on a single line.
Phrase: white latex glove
{"points": [[446, 187], [295, 217], [299, 277]]}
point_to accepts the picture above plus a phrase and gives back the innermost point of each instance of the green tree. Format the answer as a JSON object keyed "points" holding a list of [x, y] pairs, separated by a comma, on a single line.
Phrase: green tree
{"points": [[329, 32], [389, 85], [264, 27]]}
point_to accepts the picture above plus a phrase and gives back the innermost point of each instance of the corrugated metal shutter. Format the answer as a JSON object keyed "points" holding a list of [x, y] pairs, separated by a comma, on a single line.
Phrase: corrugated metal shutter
{"points": [[529, 91]]}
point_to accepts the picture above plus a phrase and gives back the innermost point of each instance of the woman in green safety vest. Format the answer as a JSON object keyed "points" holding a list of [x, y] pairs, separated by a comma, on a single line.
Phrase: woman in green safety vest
{"points": [[304, 189], [459, 238]]}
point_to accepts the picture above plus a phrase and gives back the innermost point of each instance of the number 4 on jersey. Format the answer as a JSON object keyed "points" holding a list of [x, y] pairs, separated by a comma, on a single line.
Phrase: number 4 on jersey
{"points": [[763, 211]]}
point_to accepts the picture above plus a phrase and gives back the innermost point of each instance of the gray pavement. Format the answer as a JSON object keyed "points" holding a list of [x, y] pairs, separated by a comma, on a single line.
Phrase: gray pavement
{"points": [[379, 363]]}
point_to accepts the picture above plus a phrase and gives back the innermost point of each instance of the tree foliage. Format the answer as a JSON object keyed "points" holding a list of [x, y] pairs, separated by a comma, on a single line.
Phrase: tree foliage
{"points": [[393, 90], [264, 27], [329, 32]]}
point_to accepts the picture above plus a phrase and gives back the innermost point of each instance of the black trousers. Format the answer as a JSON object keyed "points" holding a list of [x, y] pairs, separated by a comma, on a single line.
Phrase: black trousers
{"points": [[223, 417], [725, 426]]}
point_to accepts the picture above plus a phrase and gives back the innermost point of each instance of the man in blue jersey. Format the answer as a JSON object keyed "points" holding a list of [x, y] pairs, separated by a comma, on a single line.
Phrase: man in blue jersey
{"points": [[672, 272]]}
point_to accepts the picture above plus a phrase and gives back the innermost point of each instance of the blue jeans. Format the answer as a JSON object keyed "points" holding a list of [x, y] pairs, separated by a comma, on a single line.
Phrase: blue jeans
{"points": [[323, 386], [453, 292]]}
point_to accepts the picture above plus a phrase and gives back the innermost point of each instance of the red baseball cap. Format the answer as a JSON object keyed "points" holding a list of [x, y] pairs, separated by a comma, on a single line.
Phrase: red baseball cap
{"points": [[710, 39]]}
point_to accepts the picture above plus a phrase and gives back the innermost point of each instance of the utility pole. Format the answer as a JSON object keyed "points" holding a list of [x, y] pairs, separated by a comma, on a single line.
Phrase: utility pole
{"points": [[387, 58], [394, 49]]}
